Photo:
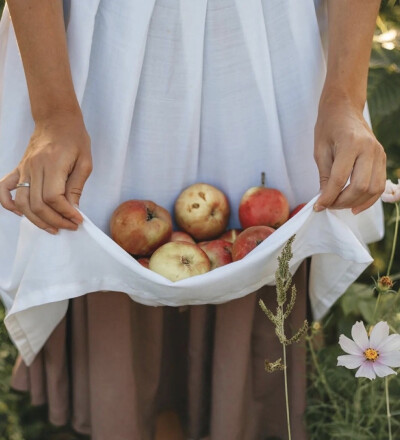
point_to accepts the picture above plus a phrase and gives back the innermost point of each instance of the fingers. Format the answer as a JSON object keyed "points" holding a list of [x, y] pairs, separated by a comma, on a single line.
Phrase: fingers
{"points": [[54, 189], [23, 205], [77, 180], [358, 192], [7, 184], [40, 209], [376, 186], [337, 177], [367, 181]]}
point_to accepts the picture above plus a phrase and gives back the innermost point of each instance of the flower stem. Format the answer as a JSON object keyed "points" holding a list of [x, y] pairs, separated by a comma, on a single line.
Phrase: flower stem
{"points": [[286, 391], [388, 415], [396, 229], [376, 307]]}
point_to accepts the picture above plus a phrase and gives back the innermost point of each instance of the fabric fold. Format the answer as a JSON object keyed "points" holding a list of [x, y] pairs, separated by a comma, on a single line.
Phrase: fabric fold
{"points": [[103, 265]]}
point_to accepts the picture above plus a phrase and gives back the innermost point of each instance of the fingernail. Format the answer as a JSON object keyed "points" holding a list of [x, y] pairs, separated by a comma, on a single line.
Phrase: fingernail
{"points": [[318, 208], [18, 213], [77, 221], [51, 231]]}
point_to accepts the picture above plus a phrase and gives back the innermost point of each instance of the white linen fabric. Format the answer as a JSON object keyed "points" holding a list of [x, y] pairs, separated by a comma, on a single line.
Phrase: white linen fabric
{"points": [[175, 92]]}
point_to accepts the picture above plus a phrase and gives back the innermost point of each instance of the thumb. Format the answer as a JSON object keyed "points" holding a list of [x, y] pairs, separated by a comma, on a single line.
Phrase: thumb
{"points": [[324, 163], [77, 180]]}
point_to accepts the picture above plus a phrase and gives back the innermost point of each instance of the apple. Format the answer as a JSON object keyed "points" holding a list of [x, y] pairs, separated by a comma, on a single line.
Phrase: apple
{"points": [[263, 206], [249, 239], [144, 261], [231, 235], [178, 260], [181, 236], [218, 251], [297, 209], [202, 211], [140, 226]]}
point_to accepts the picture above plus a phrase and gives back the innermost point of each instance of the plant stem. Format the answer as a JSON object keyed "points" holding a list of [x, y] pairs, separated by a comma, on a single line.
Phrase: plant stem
{"points": [[388, 415], [323, 378], [396, 229], [286, 387], [376, 307]]}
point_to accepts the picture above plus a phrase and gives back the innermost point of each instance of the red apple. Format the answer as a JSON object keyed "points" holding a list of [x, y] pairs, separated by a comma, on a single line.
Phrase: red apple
{"points": [[181, 236], [231, 235], [140, 226], [297, 209], [218, 251], [263, 206], [249, 239], [179, 260], [202, 211], [144, 261]]}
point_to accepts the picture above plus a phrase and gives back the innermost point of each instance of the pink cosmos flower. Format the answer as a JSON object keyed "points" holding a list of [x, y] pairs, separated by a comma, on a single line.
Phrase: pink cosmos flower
{"points": [[374, 355], [392, 192]]}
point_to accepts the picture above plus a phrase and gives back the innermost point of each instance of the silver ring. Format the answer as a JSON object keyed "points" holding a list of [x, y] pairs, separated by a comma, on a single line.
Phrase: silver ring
{"points": [[26, 184]]}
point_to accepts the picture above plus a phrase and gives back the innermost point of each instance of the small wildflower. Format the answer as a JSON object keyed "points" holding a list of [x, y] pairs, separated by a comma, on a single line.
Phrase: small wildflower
{"points": [[392, 192], [373, 355]]}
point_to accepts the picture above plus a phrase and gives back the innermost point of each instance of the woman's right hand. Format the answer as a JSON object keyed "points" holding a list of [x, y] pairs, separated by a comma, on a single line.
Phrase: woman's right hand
{"points": [[56, 163]]}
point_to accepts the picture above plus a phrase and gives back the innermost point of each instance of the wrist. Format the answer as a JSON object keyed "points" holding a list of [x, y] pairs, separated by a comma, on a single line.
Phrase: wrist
{"points": [[61, 118], [333, 95], [51, 110]]}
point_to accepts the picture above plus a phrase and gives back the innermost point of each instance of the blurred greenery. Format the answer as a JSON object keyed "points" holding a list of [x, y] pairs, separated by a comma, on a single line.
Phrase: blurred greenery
{"points": [[360, 415]]}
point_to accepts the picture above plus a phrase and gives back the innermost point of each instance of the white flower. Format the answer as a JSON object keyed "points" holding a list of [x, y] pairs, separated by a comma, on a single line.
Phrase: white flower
{"points": [[374, 355], [392, 192]]}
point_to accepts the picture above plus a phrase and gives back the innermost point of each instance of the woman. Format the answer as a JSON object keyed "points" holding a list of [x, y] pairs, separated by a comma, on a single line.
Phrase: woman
{"points": [[172, 92]]}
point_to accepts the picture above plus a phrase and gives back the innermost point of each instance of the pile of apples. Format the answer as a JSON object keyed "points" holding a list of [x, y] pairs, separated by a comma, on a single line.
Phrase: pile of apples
{"points": [[144, 229]]}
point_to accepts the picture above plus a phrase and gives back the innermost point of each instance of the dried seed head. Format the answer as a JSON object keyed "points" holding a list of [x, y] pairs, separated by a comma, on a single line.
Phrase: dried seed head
{"points": [[385, 283]]}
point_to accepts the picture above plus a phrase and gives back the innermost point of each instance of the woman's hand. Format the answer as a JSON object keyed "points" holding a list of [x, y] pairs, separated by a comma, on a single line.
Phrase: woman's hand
{"points": [[56, 163], [346, 148]]}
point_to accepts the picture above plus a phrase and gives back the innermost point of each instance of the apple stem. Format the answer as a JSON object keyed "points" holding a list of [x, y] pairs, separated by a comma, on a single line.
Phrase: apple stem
{"points": [[263, 179]]}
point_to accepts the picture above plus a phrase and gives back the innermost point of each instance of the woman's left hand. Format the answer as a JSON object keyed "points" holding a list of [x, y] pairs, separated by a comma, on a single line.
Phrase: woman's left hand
{"points": [[345, 148]]}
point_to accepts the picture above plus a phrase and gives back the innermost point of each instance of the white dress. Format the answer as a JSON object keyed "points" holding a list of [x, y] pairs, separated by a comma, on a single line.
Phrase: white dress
{"points": [[175, 92]]}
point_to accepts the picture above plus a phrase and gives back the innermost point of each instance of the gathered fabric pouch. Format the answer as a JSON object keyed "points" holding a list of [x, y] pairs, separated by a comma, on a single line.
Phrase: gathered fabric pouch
{"points": [[88, 260]]}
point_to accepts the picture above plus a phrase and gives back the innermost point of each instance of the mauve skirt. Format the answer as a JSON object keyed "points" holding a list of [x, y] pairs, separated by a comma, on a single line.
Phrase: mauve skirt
{"points": [[112, 364]]}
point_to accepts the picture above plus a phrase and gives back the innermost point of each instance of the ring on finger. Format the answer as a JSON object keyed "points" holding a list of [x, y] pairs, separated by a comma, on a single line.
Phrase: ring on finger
{"points": [[23, 184]]}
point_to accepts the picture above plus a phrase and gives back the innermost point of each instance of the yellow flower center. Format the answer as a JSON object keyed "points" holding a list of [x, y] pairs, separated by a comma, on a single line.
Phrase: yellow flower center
{"points": [[371, 354]]}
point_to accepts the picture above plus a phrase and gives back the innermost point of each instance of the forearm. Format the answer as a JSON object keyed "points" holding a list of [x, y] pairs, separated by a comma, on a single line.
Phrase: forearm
{"points": [[351, 29], [40, 32]]}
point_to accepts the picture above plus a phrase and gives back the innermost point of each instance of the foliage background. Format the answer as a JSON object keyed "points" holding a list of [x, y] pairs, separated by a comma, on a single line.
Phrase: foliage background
{"points": [[339, 406], [361, 416]]}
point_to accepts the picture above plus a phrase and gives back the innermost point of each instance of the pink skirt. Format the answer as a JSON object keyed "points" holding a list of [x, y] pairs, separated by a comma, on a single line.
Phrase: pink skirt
{"points": [[112, 365]]}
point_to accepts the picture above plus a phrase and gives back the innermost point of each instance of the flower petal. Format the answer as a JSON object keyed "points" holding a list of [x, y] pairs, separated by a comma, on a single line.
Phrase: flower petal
{"points": [[349, 346], [391, 343], [350, 361], [382, 370], [379, 333], [391, 359], [360, 336], [392, 192], [366, 370], [388, 198]]}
